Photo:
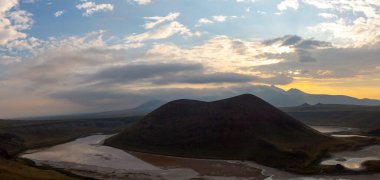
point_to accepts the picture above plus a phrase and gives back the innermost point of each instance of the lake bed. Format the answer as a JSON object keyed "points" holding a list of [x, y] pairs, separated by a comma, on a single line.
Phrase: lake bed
{"points": [[88, 157]]}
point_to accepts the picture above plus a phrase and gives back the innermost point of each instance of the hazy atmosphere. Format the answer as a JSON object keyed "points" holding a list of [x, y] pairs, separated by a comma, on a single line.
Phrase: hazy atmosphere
{"points": [[59, 57], [190, 89]]}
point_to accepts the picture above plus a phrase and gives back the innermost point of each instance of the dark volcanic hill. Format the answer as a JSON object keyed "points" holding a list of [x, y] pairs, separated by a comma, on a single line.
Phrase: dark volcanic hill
{"points": [[242, 127]]}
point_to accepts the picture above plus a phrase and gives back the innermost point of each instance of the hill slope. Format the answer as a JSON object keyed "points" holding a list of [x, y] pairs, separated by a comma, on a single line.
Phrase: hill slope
{"points": [[242, 127]]}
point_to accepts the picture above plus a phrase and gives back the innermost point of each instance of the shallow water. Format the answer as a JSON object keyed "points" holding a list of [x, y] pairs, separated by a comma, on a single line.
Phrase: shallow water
{"points": [[88, 151], [87, 157], [332, 129], [276, 174], [354, 159], [348, 135]]}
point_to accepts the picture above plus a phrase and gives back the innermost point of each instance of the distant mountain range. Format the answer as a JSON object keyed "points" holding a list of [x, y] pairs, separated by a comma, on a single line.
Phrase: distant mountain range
{"points": [[294, 97], [275, 96], [137, 111], [272, 94]]}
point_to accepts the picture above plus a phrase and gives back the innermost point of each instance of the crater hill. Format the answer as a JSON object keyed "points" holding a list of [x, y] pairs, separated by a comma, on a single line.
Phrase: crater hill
{"points": [[243, 127]]}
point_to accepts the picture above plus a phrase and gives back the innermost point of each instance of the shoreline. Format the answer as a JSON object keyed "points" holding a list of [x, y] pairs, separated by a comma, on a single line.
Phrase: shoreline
{"points": [[265, 172]]}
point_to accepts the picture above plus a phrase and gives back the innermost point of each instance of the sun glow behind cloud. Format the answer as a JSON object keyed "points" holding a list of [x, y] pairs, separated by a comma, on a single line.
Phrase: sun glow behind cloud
{"points": [[105, 50]]}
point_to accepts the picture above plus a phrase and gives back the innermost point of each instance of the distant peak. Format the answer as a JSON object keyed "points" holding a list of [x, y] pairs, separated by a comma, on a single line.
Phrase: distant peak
{"points": [[305, 105], [245, 96], [294, 90]]}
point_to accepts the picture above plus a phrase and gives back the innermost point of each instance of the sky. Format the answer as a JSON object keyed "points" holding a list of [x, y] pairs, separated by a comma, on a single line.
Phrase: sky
{"points": [[60, 57]]}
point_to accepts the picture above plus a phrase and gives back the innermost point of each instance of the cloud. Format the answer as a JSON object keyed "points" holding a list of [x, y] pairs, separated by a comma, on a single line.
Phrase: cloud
{"points": [[219, 18], [143, 2], [327, 15], [139, 72], [305, 56], [288, 4], [94, 99], [334, 64], [13, 22], [63, 69], [162, 32], [29, 1], [157, 20], [204, 21], [92, 71], [175, 73], [59, 13], [91, 7], [360, 29], [220, 53], [214, 19], [302, 47], [70, 57], [6, 5], [217, 78], [206, 78], [9, 59], [98, 69]]}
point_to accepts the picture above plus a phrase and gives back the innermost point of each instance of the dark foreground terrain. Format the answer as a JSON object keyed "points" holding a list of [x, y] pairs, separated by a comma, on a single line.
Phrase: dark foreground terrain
{"points": [[239, 128], [243, 128], [18, 136]]}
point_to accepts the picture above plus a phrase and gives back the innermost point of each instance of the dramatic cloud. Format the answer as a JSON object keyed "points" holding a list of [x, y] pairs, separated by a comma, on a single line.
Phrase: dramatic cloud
{"points": [[139, 53], [345, 31], [174, 73], [303, 47], [106, 98], [140, 72], [217, 78], [333, 63], [89, 63], [222, 53]]}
